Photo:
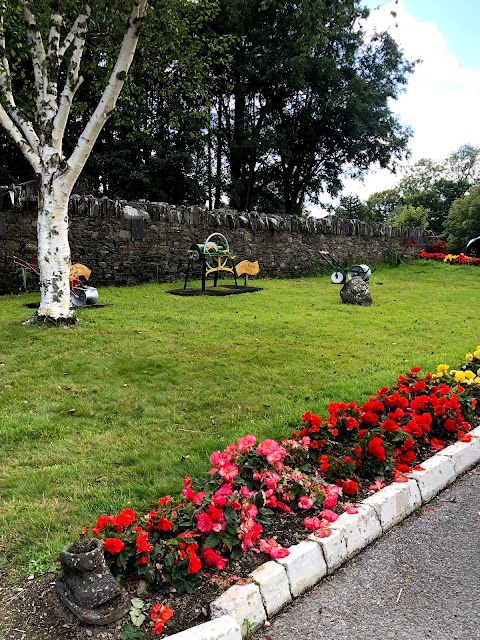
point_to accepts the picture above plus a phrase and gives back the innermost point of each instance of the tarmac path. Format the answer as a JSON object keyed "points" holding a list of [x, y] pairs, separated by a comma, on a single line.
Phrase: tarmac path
{"points": [[420, 581]]}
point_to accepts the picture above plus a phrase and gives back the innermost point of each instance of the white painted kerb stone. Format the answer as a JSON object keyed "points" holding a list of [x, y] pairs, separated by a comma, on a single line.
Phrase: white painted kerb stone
{"points": [[359, 529], [438, 474], [242, 602], [334, 548], [272, 579], [305, 566], [463, 454], [224, 628], [476, 432], [394, 503]]}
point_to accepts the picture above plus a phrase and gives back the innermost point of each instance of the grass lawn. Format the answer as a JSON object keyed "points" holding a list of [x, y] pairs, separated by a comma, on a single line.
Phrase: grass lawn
{"points": [[115, 411]]}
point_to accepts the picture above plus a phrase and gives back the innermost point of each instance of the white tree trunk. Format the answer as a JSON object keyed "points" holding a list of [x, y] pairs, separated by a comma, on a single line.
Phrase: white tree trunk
{"points": [[44, 150], [54, 251]]}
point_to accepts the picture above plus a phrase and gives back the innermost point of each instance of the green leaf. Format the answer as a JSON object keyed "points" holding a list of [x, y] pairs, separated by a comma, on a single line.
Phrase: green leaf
{"points": [[129, 632], [212, 541], [138, 603], [137, 617]]}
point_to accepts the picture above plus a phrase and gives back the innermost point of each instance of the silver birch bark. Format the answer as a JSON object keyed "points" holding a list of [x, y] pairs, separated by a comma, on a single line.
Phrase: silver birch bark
{"points": [[41, 142]]}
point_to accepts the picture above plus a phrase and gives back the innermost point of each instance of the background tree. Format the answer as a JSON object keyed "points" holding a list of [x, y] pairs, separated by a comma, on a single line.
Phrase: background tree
{"points": [[352, 207], [432, 185], [384, 205], [310, 95], [463, 220], [410, 216]]}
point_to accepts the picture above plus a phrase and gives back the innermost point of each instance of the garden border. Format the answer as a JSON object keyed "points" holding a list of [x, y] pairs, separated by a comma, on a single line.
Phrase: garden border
{"points": [[275, 583]]}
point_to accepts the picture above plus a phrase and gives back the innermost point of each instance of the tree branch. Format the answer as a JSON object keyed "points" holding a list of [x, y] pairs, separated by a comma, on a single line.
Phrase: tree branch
{"points": [[24, 126], [110, 95], [56, 20], [38, 53], [72, 81], [32, 157], [85, 11]]}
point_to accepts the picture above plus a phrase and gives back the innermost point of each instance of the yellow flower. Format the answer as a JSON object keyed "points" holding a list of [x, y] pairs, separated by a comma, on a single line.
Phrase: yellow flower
{"points": [[460, 376], [469, 357], [478, 372], [476, 380], [453, 372], [476, 353], [442, 368], [469, 374]]}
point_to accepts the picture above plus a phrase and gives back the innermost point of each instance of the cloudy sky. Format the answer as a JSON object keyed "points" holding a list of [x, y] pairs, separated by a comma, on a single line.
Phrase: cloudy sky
{"points": [[442, 99]]}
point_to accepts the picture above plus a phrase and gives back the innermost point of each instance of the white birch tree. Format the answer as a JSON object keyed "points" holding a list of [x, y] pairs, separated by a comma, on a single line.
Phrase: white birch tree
{"points": [[40, 139]]}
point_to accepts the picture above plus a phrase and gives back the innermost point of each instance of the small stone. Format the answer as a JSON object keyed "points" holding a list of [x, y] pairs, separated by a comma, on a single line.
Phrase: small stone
{"points": [[142, 589]]}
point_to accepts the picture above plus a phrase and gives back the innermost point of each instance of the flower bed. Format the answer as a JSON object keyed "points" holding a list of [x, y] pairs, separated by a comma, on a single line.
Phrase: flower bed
{"points": [[317, 471], [449, 258]]}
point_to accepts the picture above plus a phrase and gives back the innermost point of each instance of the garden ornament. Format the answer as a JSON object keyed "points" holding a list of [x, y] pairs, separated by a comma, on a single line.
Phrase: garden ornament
{"points": [[247, 268], [80, 293], [87, 587], [342, 271], [214, 255]]}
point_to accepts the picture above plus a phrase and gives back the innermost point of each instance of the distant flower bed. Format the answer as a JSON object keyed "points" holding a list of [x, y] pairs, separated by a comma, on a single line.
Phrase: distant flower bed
{"points": [[449, 258], [315, 471]]}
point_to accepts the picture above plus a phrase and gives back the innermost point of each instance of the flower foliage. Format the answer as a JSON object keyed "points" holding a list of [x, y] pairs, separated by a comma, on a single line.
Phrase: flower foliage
{"points": [[313, 472], [440, 246]]}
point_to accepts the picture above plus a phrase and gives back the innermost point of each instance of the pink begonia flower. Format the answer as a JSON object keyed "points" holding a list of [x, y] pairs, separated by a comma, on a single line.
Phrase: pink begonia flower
{"points": [[250, 533], [230, 450], [245, 492], [204, 523], [296, 476], [245, 444], [273, 452], [351, 509], [328, 515], [305, 502], [313, 523], [216, 458], [220, 496], [330, 501], [305, 441], [377, 485], [228, 471], [331, 488], [273, 549], [322, 533]]}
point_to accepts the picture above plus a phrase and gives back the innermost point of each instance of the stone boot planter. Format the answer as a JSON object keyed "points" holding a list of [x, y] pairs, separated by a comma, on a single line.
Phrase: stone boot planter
{"points": [[86, 586]]}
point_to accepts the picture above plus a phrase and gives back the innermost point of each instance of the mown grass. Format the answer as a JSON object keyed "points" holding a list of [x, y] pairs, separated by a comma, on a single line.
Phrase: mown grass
{"points": [[116, 410]]}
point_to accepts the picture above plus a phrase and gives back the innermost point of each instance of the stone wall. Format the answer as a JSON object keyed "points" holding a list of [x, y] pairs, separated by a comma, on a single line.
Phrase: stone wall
{"points": [[129, 243]]}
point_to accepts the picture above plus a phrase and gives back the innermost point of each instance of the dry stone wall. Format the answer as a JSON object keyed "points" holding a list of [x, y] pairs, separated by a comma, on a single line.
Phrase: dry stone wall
{"points": [[129, 243]]}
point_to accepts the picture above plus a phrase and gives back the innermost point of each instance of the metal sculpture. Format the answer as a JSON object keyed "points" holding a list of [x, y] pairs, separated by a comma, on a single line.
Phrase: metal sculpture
{"points": [[80, 293], [214, 255], [344, 273]]}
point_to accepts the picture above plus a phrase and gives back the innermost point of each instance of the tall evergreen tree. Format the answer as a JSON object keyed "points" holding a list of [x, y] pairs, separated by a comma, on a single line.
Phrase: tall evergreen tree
{"points": [[309, 97]]}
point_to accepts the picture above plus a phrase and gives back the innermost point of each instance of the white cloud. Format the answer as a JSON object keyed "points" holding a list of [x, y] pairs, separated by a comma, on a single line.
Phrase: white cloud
{"points": [[441, 102]]}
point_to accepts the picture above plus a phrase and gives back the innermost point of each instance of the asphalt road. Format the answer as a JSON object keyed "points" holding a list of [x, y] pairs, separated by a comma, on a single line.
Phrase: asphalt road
{"points": [[420, 581]]}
